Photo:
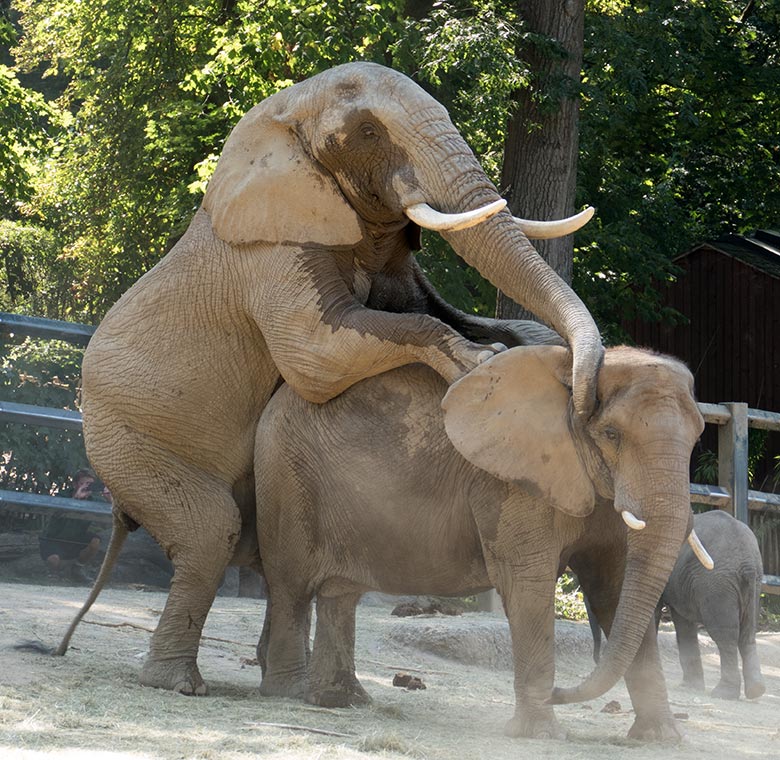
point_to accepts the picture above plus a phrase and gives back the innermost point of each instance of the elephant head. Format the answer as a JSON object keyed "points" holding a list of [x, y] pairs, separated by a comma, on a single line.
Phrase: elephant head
{"points": [[360, 152], [512, 417]]}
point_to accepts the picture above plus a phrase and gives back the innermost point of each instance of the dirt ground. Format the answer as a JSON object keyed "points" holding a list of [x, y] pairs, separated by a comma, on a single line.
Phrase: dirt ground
{"points": [[89, 705]]}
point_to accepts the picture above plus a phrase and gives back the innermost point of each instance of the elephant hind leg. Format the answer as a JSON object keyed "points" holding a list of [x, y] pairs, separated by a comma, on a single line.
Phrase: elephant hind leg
{"points": [[751, 666], [283, 646], [332, 678], [194, 518]]}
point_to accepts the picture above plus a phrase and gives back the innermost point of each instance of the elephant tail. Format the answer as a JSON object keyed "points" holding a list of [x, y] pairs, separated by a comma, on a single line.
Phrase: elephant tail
{"points": [[750, 604], [120, 528]]}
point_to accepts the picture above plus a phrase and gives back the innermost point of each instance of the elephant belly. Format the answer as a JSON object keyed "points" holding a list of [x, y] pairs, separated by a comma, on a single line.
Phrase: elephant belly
{"points": [[408, 547]]}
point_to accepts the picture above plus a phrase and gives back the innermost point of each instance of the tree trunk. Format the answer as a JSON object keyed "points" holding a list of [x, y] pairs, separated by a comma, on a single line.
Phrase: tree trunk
{"points": [[540, 154]]}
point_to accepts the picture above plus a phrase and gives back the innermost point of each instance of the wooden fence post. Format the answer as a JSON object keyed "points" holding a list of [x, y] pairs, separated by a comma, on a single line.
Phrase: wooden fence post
{"points": [[733, 458]]}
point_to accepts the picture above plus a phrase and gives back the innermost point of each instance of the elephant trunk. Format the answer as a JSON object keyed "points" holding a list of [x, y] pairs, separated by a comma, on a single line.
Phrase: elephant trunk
{"points": [[651, 555], [500, 251], [452, 181]]}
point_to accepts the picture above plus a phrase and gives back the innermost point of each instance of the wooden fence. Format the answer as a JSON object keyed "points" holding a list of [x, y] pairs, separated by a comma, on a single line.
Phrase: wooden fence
{"points": [[731, 493]]}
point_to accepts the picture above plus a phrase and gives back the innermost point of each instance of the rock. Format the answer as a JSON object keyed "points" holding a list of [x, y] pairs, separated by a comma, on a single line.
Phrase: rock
{"points": [[410, 683], [482, 639]]}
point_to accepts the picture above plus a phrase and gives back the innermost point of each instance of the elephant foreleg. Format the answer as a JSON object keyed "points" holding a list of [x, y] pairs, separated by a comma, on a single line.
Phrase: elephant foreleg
{"points": [[332, 678], [323, 340], [407, 289], [647, 687], [523, 567], [687, 633], [601, 582]]}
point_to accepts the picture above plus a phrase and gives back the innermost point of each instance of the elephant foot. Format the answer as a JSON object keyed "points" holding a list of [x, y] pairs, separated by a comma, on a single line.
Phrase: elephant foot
{"points": [[695, 684], [537, 727], [336, 697], [754, 689], [179, 675], [278, 685], [342, 690], [725, 690], [656, 729]]}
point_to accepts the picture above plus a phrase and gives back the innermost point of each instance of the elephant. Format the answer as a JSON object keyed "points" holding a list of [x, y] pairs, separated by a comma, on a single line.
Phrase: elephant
{"points": [[298, 266], [725, 601], [404, 485]]}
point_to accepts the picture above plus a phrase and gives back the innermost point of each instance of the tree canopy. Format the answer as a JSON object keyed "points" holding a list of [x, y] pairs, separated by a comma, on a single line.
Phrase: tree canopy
{"points": [[678, 135]]}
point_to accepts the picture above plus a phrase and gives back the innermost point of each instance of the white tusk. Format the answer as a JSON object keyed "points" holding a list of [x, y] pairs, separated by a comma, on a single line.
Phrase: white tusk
{"points": [[633, 522], [546, 230], [698, 549], [430, 219]]}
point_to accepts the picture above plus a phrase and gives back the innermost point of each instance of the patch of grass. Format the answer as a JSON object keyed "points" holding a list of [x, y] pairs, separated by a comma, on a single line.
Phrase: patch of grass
{"points": [[769, 613], [385, 743], [389, 711]]}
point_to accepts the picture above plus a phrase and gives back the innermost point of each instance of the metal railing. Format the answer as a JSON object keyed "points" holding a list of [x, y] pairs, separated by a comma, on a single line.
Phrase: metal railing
{"points": [[41, 416], [731, 492]]}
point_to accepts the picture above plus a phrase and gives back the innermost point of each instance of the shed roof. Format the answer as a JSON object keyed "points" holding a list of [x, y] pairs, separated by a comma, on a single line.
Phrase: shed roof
{"points": [[760, 251]]}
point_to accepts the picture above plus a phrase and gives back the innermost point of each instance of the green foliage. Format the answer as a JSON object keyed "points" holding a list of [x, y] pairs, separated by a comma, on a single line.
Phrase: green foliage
{"points": [[24, 117], [769, 613], [679, 141], [707, 466], [35, 279], [569, 603], [39, 459], [678, 122]]}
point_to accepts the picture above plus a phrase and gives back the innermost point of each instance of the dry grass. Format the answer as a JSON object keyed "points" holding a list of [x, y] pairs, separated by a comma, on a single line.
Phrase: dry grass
{"points": [[89, 705]]}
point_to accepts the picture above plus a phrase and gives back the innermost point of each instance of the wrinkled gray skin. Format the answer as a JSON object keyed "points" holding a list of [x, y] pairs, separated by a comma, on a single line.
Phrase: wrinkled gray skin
{"points": [[724, 600], [368, 493], [298, 266]]}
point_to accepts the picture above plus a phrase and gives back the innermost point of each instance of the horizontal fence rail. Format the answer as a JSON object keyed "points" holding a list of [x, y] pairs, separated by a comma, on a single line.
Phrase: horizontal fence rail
{"points": [[21, 502], [27, 414], [39, 327]]}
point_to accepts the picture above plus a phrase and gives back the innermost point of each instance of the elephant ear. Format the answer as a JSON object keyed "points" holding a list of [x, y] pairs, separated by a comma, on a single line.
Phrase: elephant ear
{"points": [[266, 187], [510, 417]]}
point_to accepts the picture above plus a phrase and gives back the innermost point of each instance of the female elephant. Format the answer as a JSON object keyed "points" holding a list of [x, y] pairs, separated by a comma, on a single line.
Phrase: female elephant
{"points": [[369, 492], [725, 601], [297, 265]]}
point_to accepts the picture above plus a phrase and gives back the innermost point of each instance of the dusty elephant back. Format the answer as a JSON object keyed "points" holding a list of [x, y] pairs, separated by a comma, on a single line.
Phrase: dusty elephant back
{"points": [[370, 487]]}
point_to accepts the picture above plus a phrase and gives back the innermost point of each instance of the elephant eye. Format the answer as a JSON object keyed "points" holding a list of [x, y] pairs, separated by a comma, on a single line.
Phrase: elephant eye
{"points": [[367, 129], [611, 434]]}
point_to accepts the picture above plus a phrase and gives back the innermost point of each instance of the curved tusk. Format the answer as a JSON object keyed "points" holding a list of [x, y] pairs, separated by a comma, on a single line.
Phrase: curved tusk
{"points": [[430, 219], [698, 549], [633, 522], [546, 230]]}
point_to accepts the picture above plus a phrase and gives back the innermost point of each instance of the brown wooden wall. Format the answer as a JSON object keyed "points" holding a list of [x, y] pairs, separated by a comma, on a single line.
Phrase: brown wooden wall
{"points": [[732, 343]]}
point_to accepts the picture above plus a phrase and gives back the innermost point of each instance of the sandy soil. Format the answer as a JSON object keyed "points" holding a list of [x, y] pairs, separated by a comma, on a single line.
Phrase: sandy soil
{"points": [[89, 704]]}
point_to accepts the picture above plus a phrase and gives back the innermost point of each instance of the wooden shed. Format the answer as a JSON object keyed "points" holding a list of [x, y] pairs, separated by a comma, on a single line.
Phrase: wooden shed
{"points": [[729, 291]]}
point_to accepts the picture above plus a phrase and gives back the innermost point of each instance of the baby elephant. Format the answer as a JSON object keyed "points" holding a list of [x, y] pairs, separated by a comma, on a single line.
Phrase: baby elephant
{"points": [[724, 600]]}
